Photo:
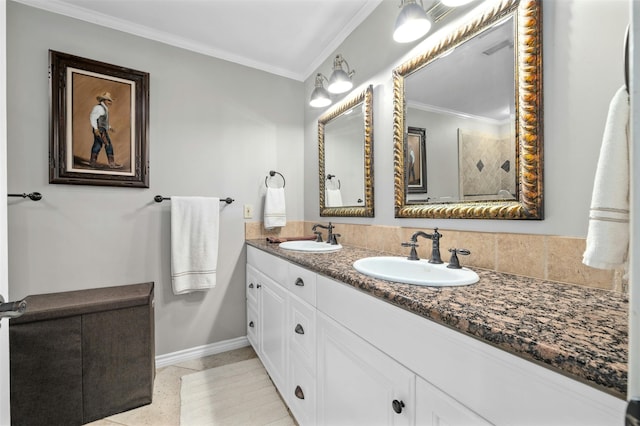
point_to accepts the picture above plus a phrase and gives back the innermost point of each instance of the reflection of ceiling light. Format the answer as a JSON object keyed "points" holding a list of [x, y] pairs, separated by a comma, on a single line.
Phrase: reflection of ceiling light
{"points": [[455, 3], [320, 96], [447, 53], [411, 23]]}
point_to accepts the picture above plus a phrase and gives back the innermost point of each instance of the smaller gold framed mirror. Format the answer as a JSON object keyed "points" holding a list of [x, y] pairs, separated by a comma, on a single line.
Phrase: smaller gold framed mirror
{"points": [[345, 157]]}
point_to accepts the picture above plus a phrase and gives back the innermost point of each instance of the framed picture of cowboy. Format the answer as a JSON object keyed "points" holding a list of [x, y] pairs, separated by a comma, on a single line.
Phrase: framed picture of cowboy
{"points": [[99, 123]]}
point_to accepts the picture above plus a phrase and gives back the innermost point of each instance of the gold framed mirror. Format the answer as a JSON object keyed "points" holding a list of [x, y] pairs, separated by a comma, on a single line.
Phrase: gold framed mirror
{"points": [[515, 189], [345, 157]]}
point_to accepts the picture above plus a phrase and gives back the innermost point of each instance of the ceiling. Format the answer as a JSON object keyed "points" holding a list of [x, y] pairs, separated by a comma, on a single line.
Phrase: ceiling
{"points": [[291, 38]]}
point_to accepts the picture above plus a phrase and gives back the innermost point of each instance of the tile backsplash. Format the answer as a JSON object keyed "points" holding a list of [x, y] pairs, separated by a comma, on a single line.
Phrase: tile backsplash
{"points": [[546, 257]]}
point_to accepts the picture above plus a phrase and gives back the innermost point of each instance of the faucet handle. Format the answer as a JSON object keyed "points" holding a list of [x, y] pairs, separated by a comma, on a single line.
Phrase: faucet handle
{"points": [[454, 263], [318, 236], [334, 239], [414, 254]]}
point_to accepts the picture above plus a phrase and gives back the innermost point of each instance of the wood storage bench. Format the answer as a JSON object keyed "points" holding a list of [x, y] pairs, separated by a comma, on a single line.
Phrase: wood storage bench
{"points": [[79, 356]]}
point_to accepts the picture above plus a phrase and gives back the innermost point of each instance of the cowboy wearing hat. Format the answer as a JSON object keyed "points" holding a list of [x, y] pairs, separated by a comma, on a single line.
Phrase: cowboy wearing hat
{"points": [[99, 119]]}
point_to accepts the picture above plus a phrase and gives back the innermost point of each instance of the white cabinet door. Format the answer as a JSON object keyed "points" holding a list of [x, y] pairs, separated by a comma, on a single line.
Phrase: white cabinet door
{"points": [[435, 408], [253, 307], [357, 384], [273, 326]]}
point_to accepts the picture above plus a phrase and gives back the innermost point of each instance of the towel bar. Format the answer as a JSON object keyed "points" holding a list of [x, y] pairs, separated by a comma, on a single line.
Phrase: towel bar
{"points": [[160, 198], [33, 196]]}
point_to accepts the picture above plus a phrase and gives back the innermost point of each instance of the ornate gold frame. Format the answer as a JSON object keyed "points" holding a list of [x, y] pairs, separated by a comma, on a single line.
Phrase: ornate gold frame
{"points": [[529, 134], [365, 96]]}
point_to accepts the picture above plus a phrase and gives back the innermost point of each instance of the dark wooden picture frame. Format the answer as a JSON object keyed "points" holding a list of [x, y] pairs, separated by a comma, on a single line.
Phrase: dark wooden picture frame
{"points": [[86, 95], [416, 154]]}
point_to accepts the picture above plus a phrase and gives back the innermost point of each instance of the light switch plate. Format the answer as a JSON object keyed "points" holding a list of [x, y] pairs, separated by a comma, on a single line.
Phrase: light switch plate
{"points": [[248, 211]]}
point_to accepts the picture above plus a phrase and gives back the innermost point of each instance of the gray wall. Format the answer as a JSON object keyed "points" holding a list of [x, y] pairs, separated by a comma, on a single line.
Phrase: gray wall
{"points": [[583, 67], [216, 129]]}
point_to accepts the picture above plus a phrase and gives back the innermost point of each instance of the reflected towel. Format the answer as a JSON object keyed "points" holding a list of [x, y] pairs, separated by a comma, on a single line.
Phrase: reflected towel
{"points": [[334, 198], [194, 243], [275, 212], [608, 233]]}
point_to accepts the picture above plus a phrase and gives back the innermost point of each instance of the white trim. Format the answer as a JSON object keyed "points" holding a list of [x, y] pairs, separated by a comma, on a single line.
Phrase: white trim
{"points": [[441, 110], [364, 12], [84, 14], [201, 351]]}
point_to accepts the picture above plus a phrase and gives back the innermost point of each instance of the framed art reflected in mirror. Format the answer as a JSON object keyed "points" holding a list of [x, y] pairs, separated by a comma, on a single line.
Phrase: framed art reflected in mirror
{"points": [[417, 160]]}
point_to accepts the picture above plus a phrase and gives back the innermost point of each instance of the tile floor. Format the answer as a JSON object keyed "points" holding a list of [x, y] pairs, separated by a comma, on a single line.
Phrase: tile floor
{"points": [[165, 408]]}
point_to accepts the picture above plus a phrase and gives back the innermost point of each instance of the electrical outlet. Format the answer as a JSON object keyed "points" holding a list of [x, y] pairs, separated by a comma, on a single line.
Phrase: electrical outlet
{"points": [[248, 211]]}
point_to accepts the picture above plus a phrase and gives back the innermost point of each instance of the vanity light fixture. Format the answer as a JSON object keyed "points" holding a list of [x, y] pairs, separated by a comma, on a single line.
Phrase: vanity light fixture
{"points": [[412, 22], [340, 80], [320, 96], [455, 3]]}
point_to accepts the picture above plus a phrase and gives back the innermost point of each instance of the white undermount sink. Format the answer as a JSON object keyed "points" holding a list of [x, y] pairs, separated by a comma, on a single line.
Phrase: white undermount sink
{"points": [[310, 246], [420, 272]]}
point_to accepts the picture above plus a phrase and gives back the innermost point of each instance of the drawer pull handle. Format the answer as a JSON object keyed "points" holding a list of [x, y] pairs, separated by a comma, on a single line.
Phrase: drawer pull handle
{"points": [[259, 285], [299, 282], [298, 392], [397, 406], [299, 329], [251, 324], [251, 285]]}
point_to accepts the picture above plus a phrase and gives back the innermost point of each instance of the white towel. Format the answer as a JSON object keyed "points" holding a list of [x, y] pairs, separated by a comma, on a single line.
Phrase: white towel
{"points": [[334, 198], [608, 233], [275, 212], [194, 243]]}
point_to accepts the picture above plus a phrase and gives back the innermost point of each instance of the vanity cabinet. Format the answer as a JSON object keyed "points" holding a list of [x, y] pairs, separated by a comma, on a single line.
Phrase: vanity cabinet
{"points": [[281, 323], [358, 384], [361, 360]]}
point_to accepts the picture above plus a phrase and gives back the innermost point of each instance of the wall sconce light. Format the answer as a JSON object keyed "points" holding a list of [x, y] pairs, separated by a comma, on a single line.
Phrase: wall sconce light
{"points": [[412, 22], [340, 80], [320, 96]]}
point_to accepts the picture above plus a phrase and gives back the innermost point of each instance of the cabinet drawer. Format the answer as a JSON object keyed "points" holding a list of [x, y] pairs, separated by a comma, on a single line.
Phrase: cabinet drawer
{"points": [[302, 332], [302, 283], [301, 394], [272, 266]]}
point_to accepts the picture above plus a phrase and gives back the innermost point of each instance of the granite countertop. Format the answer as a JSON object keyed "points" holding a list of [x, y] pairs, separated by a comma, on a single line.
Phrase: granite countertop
{"points": [[577, 331]]}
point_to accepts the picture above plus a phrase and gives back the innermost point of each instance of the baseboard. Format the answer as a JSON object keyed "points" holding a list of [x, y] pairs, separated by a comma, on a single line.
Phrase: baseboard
{"points": [[201, 351]]}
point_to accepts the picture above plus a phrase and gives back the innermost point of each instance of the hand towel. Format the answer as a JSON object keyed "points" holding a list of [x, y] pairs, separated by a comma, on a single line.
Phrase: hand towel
{"points": [[194, 243], [275, 212], [608, 233], [334, 198]]}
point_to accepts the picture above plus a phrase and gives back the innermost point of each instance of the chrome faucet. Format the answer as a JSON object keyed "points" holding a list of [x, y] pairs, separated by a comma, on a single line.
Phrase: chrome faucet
{"points": [[435, 247], [331, 237]]}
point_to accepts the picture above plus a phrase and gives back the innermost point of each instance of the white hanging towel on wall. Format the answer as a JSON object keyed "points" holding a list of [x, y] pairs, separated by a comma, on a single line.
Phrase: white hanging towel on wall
{"points": [[608, 233], [194, 243], [275, 212]]}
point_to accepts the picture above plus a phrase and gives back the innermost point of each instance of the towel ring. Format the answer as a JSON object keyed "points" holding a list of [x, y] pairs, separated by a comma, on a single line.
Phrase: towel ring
{"points": [[271, 174], [330, 176]]}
